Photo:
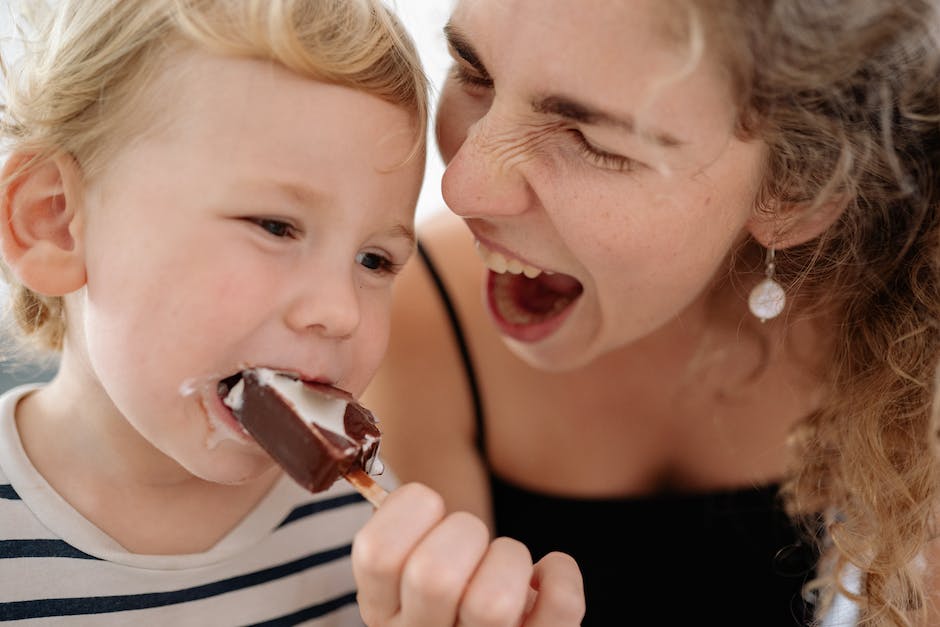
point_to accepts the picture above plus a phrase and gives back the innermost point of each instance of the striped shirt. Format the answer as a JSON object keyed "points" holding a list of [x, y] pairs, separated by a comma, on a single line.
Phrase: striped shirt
{"points": [[286, 563]]}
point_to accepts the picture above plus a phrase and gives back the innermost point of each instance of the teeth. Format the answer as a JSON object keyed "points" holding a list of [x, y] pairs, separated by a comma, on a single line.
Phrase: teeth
{"points": [[499, 263]]}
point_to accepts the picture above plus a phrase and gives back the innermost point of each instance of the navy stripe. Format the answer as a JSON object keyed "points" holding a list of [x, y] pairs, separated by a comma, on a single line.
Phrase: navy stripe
{"points": [[316, 507], [309, 613], [40, 548], [19, 610], [7, 492]]}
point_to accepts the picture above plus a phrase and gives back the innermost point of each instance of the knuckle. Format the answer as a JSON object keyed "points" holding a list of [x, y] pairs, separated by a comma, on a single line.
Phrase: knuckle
{"points": [[511, 545], [435, 581], [423, 495], [372, 559], [472, 527]]}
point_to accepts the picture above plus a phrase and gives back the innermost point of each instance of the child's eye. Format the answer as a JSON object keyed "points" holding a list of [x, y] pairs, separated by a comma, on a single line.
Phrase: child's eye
{"points": [[277, 228], [376, 263], [602, 158]]}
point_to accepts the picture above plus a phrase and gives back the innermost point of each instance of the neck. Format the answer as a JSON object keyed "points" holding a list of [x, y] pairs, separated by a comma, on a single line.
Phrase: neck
{"points": [[93, 458], [73, 416]]}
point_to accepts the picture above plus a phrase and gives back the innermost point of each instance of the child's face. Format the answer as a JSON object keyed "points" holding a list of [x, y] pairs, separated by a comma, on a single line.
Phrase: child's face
{"points": [[256, 225]]}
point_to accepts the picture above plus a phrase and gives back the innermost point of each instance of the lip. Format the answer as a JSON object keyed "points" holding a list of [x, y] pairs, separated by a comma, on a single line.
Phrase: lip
{"points": [[493, 246], [219, 415], [527, 333]]}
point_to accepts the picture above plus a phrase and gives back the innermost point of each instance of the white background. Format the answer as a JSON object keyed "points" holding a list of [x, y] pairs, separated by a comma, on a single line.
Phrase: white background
{"points": [[425, 20]]}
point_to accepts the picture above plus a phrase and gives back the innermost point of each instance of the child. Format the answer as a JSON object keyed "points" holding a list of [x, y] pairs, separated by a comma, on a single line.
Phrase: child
{"points": [[192, 187]]}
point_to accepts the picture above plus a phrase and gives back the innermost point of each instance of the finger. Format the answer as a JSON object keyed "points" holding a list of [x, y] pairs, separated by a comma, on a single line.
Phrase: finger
{"points": [[559, 589], [496, 597], [439, 570], [383, 545]]}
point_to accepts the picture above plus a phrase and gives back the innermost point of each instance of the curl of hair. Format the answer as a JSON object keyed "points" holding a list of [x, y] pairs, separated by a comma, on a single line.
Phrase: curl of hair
{"points": [[80, 86], [847, 97]]}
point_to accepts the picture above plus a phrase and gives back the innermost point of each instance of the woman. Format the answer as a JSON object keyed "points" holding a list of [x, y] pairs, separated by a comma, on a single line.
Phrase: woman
{"points": [[710, 299]]}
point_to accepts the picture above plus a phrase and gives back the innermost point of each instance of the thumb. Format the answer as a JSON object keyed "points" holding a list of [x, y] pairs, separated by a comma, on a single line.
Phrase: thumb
{"points": [[558, 592]]}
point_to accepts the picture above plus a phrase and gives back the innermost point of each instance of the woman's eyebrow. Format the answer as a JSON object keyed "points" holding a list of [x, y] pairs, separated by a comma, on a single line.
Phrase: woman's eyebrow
{"points": [[575, 111], [562, 106], [464, 49]]}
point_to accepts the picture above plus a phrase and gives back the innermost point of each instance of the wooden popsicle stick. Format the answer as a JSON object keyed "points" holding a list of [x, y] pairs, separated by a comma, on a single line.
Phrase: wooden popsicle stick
{"points": [[366, 485]]}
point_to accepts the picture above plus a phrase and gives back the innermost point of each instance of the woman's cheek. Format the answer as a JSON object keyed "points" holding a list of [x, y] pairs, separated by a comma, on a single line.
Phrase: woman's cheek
{"points": [[456, 113]]}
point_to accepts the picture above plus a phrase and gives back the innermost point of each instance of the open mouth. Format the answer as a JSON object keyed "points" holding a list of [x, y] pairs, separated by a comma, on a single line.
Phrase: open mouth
{"points": [[230, 392], [226, 385], [222, 398], [223, 411], [527, 302]]}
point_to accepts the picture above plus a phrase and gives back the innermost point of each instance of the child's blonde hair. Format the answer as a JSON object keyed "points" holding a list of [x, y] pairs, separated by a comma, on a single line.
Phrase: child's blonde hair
{"points": [[80, 84]]}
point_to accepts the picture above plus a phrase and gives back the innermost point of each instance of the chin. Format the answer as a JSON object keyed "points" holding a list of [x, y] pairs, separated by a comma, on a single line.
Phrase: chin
{"points": [[553, 356], [232, 468]]}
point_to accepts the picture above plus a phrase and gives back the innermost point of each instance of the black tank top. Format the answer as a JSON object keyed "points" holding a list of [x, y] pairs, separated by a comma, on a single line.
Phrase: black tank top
{"points": [[730, 558]]}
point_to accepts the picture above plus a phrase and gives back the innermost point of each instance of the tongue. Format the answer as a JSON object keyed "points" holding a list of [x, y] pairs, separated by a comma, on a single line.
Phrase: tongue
{"points": [[546, 293], [525, 301]]}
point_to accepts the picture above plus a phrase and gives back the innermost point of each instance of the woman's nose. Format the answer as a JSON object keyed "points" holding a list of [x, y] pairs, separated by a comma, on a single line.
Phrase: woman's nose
{"points": [[328, 304], [484, 177]]}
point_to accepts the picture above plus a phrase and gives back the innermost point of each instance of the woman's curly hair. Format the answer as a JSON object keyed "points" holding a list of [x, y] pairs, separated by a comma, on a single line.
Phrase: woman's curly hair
{"points": [[846, 95]]}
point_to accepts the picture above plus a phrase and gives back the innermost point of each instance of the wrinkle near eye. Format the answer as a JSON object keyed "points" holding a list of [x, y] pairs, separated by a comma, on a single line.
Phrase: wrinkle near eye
{"points": [[511, 148]]}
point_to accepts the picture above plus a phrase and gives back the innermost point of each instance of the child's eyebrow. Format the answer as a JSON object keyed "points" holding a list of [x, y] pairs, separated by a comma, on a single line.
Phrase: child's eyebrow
{"points": [[302, 194], [308, 196], [407, 232]]}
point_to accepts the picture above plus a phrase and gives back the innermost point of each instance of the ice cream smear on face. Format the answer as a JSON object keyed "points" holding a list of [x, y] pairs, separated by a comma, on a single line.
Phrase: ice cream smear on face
{"points": [[316, 432]]}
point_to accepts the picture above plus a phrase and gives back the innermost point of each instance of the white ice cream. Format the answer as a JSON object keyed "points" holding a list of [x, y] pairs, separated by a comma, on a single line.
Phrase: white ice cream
{"points": [[313, 408]]}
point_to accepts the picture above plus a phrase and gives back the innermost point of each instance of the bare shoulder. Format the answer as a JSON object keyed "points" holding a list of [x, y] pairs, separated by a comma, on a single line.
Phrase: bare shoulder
{"points": [[419, 302], [448, 240], [420, 394]]}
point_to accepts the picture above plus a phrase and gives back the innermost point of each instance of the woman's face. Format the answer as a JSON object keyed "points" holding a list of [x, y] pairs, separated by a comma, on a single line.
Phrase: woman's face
{"points": [[585, 145]]}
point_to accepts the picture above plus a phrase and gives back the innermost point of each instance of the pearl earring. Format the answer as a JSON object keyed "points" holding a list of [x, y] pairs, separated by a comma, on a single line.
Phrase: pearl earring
{"points": [[767, 299]]}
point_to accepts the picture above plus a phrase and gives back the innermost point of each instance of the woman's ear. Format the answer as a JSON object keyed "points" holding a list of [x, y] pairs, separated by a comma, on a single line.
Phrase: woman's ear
{"points": [[41, 223], [790, 224]]}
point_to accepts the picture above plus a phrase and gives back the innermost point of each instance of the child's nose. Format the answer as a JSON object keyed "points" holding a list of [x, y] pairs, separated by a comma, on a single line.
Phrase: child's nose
{"points": [[327, 305]]}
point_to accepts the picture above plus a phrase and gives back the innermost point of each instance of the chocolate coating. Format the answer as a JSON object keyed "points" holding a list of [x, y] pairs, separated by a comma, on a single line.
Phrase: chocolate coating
{"points": [[311, 454]]}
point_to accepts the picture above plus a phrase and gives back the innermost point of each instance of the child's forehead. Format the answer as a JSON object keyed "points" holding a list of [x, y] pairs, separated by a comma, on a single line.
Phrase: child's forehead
{"points": [[120, 68], [197, 93], [211, 91], [253, 131]]}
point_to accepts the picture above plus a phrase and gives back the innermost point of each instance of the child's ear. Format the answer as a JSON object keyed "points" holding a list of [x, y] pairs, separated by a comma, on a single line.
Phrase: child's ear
{"points": [[41, 223], [790, 224]]}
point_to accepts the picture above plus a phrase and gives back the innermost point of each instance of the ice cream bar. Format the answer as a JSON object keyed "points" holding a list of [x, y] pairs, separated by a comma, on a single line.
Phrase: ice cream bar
{"points": [[316, 432]]}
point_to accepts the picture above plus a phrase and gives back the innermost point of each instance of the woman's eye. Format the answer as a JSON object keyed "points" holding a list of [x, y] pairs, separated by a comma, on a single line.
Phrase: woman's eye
{"points": [[469, 78], [376, 263], [604, 159], [277, 228]]}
